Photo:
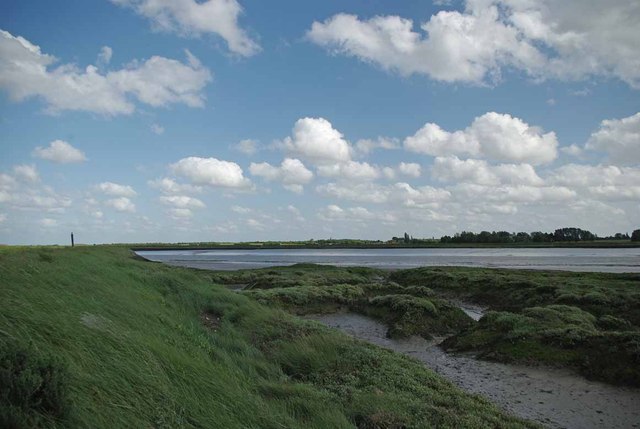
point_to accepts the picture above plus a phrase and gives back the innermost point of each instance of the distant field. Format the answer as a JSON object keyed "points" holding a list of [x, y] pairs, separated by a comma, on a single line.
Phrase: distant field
{"points": [[95, 337]]}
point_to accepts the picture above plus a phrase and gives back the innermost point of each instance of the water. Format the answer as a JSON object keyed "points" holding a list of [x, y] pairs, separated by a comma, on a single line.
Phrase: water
{"points": [[618, 260], [555, 398]]}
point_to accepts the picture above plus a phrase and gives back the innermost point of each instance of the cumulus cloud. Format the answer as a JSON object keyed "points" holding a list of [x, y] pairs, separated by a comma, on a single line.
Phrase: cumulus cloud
{"points": [[400, 192], [247, 146], [513, 193], [410, 169], [240, 209], [500, 137], [600, 182], [48, 222], [26, 72], [116, 190], [182, 202], [453, 169], [122, 204], [573, 150], [619, 138], [350, 170], [316, 140], [191, 18], [358, 214], [291, 173], [541, 38], [180, 213], [365, 146], [211, 172], [61, 152], [104, 57], [157, 129], [167, 185], [26, 173]]}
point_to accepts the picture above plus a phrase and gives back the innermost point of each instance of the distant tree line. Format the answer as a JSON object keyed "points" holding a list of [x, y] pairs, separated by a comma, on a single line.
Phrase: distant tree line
{"points": [[559, 235]]}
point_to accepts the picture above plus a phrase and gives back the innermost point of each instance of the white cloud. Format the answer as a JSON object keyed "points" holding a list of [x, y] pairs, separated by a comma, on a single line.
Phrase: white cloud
{"points": [[3, 217], [211, 172], [104, 57], [191, 18], [595, 175], [410, 169], [459, 46], [180, 213], [543, 38], [573, 150], [116, 190], [122, 204], [360, 192], [157, 129], [7, 182], [296, 213], [380, 194], [26, 72], [389, 173], [452, 169], [365, 146], [169, 186], [292, 173], [26, 173], [247, 146], [182, 202], [255, 224], [358, 214], [28, 193], [241, 210], [48, 223], [423, 196], [316, 140], [513, 194], [500, 137], [61, 152], [600, 182], [620, 138], [350, 170]]}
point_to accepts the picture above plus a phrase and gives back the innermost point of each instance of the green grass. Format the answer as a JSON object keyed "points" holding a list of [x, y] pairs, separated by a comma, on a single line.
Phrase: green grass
{"points": [[308, 288], [586, 321], [93, 337]]}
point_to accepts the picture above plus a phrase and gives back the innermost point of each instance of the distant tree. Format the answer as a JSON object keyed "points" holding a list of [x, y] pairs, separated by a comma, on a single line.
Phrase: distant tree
{"points": [[573, 234], [635, 235], [406, 238], [522, 237]]}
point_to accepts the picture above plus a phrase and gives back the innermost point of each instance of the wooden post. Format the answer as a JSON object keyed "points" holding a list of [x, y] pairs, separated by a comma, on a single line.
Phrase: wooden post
{"points": [[72, 243]]}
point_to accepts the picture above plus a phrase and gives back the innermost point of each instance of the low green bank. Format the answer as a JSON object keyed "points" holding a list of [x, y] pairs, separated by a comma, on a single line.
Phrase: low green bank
{"points": [[307, 288], [586, 321], [92, 337]]}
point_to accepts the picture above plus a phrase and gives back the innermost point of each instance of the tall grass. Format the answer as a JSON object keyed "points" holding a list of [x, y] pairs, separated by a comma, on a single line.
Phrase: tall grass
{"points": [[137, 344]]}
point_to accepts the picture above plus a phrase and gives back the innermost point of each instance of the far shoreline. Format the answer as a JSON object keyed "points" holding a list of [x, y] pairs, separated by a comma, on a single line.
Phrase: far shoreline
{"points": [[293, 246]]}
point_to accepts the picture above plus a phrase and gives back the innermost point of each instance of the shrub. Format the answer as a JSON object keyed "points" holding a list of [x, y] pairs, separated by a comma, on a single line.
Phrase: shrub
{"points": [[33, 386]]}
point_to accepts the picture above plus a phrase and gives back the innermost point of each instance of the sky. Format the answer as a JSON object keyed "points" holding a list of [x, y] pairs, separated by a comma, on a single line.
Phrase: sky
{"points": [[242, 120]]}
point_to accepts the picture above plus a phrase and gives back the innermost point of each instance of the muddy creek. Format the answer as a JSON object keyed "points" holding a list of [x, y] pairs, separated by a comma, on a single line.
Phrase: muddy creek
{"points": [[554, 398]]}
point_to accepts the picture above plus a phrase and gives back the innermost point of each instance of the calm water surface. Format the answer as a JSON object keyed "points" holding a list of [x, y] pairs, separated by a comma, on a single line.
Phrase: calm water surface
{"points": [[598, 260]]}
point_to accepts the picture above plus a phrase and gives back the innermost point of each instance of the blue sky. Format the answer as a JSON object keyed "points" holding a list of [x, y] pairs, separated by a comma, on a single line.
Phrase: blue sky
{"points": [[224, 120]]}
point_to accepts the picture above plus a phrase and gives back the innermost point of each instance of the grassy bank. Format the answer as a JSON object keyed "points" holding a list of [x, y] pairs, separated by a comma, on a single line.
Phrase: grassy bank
{"points": [[308, 288], [92, 337], [586, 321]]}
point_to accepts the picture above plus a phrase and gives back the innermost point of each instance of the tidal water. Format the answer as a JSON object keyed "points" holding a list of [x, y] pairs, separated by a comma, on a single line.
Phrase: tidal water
{"points": [[595, 260]]}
